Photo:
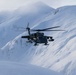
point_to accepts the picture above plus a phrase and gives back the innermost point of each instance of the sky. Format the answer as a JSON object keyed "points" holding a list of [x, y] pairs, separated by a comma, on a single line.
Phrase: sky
{"points": [[13, 4]]}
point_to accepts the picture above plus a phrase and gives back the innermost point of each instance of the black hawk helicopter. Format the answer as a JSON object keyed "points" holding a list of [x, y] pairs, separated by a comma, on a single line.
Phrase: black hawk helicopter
{"points": [[38, 36]]}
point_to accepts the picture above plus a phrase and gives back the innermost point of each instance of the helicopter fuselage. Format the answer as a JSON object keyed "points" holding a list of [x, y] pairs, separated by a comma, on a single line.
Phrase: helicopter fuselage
{"points": [[39, 38]]}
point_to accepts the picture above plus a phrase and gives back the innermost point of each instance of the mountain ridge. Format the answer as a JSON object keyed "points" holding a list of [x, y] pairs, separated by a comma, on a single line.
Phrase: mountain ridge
{"points": [[59, 54]]}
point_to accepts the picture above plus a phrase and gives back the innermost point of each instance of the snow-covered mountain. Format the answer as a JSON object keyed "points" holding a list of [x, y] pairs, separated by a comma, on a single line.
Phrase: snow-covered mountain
{"points": [[13, 68], [34, 14], [59, 56]]}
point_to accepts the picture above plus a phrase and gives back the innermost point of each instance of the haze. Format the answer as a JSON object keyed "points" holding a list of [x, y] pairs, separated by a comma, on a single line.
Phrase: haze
{"points": [[13, 4]]}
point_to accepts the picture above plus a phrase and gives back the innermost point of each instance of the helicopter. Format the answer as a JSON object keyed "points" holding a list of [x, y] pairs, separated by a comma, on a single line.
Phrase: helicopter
{"points": [[39, 36]]}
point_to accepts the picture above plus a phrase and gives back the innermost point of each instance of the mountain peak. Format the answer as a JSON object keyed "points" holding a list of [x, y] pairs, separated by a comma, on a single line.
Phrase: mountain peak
{"points": [[35, 7], [42, 4]]}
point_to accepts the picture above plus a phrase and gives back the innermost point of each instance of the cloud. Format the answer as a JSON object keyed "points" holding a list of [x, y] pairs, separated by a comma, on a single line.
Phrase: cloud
{"points": [[13, 4], [59, 3]]}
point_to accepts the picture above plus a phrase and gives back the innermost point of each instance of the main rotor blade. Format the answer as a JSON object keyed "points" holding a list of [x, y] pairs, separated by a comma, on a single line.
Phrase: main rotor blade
{"points": [[27, 25], [51, 27], [49, 30], [55, 30], [20, 30], [45, 29]]}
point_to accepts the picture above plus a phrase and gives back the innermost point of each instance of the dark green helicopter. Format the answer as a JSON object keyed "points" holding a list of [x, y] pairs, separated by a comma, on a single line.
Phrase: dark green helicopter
{"points": [[38, 36]]}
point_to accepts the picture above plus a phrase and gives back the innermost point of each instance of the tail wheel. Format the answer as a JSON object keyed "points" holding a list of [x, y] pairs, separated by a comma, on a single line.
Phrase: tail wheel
{"points": [[45, 43]]}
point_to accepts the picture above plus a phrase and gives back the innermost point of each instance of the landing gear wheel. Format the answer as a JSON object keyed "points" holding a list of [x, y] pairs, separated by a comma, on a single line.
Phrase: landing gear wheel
{"points": [[46, 43], [35, 44], [52, 39]]}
